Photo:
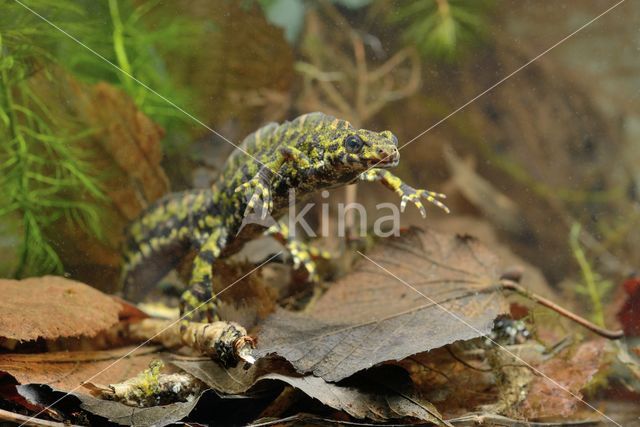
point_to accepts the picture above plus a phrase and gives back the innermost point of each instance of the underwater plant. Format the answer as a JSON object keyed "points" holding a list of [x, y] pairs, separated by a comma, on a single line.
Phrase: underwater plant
{"points": [[440, 28], [46, 173], [138, 39], [593, 286]]}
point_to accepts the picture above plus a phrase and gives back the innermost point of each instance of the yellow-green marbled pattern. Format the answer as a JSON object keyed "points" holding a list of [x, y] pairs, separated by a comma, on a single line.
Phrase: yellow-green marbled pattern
{"points": [[313, 152]]}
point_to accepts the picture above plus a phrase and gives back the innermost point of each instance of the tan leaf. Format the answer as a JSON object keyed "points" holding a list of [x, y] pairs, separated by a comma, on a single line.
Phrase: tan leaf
{"points": [[129, 142], [67, 371], [52, 307], [370, 316]]}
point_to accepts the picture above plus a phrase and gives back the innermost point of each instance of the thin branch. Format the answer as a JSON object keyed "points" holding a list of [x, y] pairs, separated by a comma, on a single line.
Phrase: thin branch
{"points": [[606, 333]]}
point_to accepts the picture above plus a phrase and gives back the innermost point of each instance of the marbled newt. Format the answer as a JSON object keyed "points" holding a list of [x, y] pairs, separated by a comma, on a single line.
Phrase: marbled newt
{"points": [[313, 152]]}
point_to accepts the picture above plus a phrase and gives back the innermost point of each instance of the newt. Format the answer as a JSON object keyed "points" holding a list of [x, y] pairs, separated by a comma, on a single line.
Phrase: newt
{"points": [[308, 154]]}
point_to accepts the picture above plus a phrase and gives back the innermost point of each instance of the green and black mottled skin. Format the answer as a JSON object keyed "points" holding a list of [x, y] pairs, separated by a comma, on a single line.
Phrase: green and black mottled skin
{"points": [[311, 153]]}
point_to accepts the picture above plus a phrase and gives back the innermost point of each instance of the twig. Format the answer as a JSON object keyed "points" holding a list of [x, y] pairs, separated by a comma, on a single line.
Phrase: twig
{"points": [[495, 419], [425, 366], [464, 362], [606, 333], [391, 64], [361, 78], [25, 420]]}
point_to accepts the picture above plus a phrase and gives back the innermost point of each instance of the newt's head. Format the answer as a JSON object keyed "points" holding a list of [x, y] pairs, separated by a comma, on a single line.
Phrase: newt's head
{"points": [[360, 149], [367, 149]]}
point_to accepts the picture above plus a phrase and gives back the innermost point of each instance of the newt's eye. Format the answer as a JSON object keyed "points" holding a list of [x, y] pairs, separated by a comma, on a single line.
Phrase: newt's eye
{"points": [[353, 143]]}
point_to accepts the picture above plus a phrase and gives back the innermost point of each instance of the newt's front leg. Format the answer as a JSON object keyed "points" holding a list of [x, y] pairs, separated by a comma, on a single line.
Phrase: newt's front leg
{"points": [[406, 192], [260, 184]]}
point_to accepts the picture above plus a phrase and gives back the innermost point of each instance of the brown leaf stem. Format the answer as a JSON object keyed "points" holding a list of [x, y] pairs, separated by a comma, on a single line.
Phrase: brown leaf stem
{"points": [[606, 333]]}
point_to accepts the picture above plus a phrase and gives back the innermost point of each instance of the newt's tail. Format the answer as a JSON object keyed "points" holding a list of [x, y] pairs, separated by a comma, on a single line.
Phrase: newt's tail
{"points": [[156, 242]]}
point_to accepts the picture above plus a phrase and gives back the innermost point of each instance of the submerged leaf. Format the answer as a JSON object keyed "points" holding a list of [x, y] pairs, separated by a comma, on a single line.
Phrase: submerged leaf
{"points": [[44, 396], [125, 147], [247, 71], [66, 309], [570, 372], [629, 314], [362, 399], [376, 404], [127, 415], [68, 370], [444, 290]]}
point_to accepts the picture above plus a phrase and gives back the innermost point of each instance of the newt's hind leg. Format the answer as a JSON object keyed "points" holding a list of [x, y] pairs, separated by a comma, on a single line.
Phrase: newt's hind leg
{"points": [[303, 254], [201, 328], [197, 303]]}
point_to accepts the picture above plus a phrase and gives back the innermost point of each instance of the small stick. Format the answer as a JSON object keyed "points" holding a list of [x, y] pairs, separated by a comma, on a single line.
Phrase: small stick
{"points": [[510, 285], [26, 420]]}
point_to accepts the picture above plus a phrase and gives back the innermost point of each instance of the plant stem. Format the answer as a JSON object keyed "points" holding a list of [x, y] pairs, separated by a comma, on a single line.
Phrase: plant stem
{"points": [[587, 274], [607, 333], [19, 153], [443, 9], [119, 46]]}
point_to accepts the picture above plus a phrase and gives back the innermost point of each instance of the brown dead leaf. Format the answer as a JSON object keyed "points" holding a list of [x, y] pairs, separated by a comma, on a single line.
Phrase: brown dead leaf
{"points": [[473, 377], [47, 398], [572, 371], [52, 307], [125, 151], [375, 405], [453, 386], [156, 416], [67, 371], [130, 142], [364, 400], [369, 316], [532, 276]]}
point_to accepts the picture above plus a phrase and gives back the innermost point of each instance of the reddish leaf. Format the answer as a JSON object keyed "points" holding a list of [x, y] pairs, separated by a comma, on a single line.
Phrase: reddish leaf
{"points": [[573, 372], [67, 371], [52, 307], [629, 314]]}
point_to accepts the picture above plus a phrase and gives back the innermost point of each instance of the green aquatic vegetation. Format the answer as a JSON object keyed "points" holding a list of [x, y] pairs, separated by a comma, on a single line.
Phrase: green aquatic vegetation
{"points": [[44, 175], [440, 28], [593, 286], [140, 40]]}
